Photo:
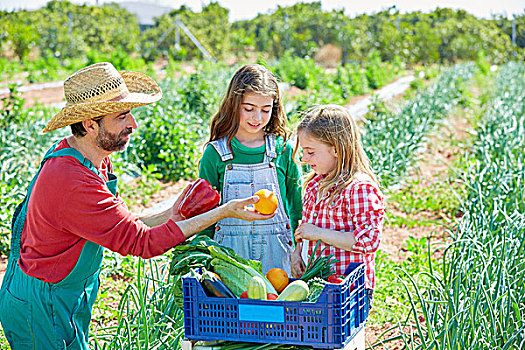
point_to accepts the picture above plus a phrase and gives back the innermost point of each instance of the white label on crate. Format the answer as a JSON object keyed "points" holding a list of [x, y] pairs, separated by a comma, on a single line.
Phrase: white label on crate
{"points": [[261, 313]]}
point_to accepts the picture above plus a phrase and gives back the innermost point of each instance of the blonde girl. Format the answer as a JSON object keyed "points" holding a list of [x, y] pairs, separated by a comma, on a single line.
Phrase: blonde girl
{"points": [[342, 205], [248, 150]]}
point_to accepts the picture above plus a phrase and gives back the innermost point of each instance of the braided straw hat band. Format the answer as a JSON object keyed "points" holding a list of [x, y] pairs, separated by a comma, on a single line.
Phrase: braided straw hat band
{"points": [[100, 89]]}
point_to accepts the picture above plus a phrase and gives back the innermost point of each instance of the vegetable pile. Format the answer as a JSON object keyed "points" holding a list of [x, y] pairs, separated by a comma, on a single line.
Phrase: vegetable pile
{"points": [[224, 274]]}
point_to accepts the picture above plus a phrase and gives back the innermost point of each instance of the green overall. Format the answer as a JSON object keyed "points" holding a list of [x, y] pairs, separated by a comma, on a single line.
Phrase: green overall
{"points": [[41, 315]]}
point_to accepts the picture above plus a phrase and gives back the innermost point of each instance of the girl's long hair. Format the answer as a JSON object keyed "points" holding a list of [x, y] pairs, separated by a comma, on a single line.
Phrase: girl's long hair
{"points": [[334, 126], [249, 78]]}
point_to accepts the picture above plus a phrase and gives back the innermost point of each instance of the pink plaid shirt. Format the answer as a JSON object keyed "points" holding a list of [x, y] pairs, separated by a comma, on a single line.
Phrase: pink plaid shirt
{"points": [[358, 210]]}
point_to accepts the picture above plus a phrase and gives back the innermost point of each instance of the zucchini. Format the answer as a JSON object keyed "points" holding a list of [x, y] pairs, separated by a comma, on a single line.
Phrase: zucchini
{"points": [[295, 291], [256, 288]]}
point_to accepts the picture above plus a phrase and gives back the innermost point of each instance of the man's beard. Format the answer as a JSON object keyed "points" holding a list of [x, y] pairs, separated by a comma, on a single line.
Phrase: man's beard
{"points": [[111, 142]]}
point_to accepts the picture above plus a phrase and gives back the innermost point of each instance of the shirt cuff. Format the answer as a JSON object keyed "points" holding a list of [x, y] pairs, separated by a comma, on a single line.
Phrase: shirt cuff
{"points": [[178, 235]]}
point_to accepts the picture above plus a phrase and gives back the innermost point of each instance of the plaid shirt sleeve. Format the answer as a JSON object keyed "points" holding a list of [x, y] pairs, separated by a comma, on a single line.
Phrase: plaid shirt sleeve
{"points": [[367, 215]]}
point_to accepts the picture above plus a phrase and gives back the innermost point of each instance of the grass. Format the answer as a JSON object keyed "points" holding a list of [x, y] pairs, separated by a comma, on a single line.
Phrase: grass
{"points": [[439, 198], [477, 301], [438, 202], [390, 298], [421, 202], [146, 316], [3, 341]]}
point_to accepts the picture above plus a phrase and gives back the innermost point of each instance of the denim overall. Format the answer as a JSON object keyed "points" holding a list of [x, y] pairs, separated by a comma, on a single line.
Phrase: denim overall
{"points": [[41, 315], [269, 241]]}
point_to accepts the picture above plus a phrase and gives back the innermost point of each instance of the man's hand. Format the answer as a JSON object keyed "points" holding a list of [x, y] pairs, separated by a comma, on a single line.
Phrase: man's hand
{"points": [[175, 216], [238, 208]]}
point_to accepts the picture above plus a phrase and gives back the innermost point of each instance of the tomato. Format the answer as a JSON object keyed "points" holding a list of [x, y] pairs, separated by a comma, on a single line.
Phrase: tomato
{"points": [[335, 279], [244, 295], [271, 296]]}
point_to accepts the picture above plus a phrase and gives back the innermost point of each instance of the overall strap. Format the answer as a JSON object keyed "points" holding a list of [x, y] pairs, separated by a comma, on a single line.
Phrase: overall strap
{"points": [[71, 152], [19, 217], [270, 146], [221, 146]]}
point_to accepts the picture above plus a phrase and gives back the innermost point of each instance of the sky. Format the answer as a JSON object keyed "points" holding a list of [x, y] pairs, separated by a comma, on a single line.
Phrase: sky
{"points": [[243, 9]]}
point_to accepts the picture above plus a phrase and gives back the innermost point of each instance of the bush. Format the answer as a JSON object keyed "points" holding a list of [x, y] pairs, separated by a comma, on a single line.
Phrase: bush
{"points": [[167, 143]]}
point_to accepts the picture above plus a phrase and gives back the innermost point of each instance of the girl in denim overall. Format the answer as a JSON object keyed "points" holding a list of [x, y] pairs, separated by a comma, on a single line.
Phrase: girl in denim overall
{"points": [[248, 151]]}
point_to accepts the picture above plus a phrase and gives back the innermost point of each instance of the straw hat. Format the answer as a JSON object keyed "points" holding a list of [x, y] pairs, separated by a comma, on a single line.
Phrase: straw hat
{"points": [[100, 89]]}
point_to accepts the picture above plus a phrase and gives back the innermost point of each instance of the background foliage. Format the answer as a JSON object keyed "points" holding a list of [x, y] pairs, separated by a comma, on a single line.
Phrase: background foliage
{"points": [[65, 31], [54, 41]]}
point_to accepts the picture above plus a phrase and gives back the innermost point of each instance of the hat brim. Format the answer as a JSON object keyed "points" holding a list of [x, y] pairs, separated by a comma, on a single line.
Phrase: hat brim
{"points": [[142, 91]]}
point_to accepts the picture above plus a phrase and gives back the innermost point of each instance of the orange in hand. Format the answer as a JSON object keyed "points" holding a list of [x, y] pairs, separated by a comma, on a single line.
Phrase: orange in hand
{"points": [[267, 203]]}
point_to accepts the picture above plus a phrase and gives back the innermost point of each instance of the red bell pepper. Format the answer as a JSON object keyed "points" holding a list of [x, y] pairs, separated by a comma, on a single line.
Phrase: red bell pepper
{"points": [[200, 198]]}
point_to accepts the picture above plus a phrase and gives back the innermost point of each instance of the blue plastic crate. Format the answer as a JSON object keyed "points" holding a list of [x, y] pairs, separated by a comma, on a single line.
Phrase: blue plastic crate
{"points": [[331, 322]]}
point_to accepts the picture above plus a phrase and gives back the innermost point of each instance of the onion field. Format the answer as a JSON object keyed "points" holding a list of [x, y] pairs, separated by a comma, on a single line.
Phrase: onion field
{"points": [[449, 154]]}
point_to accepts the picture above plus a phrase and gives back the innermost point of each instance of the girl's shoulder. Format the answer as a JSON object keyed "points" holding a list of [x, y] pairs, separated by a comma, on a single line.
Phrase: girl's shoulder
{"points": [[283, 147], [281, 144], [313, 184], [210, 152], [361, 178], [209, 148], [362, 183]]}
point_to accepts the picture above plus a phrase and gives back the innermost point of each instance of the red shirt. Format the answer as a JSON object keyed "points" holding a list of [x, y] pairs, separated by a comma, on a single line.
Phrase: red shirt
{"points": [[70, 205], [359, 210]]}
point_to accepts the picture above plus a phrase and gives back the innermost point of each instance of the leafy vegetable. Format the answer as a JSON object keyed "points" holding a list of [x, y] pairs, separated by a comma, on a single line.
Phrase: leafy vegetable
{"points": [[236, 279], [319, 267], [316, 286], [236, 273]]}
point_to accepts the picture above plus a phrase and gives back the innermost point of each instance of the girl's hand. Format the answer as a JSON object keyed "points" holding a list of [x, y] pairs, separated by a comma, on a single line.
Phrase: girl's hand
{"points": [[306, 231], [298, 265]]}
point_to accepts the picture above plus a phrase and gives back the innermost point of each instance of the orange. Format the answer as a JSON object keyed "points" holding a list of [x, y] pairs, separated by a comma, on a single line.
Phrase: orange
{"points": [[267, 203], [278, 278]]}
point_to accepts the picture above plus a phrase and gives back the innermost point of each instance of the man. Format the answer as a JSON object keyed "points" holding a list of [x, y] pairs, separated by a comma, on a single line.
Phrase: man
{"points": [[73, 210]]}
